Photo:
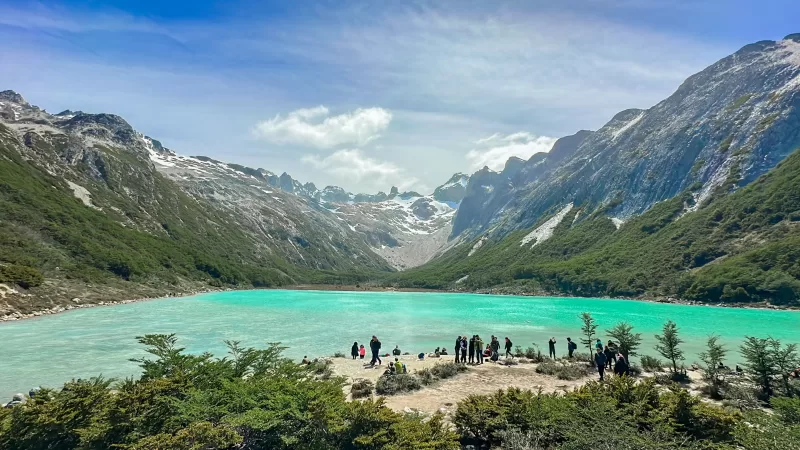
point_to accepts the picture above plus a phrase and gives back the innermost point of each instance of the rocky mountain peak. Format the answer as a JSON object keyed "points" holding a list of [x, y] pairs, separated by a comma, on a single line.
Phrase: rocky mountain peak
{"points": [[14, 97]]}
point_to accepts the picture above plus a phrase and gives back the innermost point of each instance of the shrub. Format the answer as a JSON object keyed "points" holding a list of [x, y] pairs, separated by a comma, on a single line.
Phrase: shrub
{"points": [[742, 397], [24, 276], [361, 388], [788, 409], [339, 355], [534, 354], [509, 362], [651, 364], [397, 383], [563, 370]]}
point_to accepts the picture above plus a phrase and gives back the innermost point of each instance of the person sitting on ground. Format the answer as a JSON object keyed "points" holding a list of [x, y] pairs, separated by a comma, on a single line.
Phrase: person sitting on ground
{"points": [[354, 350], [305, 361], [437, 352], [738, 369], [443, 351], [488, 352], [398, 366], [509, 346], [621, 366], [362, 352], [396, 351], [421, 356]]}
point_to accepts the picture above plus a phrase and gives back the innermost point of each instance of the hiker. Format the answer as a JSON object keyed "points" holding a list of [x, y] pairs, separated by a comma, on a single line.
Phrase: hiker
{"points": [[471, 349], [398, 366], [614, 350], [457, 350], [478, 350], [17, 399], [354, 350], [305, 361], [600, 362], [509, 346], [464, 346], [495, 346], [362, 352], [609, 356], [571, 347], [488, 351], [621, 366], [552, 346], [375, 347], [421, 356], [599, 344], [396, 351]]}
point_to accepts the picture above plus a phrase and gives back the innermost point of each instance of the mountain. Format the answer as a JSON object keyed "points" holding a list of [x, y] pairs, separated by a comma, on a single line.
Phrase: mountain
{"points": [[675, 200], [722, 128], [89, 201]]}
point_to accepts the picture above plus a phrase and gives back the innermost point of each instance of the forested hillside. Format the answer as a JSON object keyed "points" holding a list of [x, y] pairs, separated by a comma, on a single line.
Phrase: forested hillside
{"points": [[739, 247]]}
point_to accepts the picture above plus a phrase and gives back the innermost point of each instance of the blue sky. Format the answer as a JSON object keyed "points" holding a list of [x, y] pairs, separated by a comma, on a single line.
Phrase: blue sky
{"points": [[365, 94]]}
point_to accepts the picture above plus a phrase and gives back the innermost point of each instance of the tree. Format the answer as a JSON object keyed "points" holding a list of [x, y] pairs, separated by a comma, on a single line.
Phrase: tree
{"points": [[712, 357], [785, 360], [588, 329], [759, 362], [628, 340], [668, 344]]}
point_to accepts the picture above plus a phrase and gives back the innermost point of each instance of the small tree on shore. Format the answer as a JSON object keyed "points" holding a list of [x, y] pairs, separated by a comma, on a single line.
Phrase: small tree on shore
{"points": [[628, 340], [588, 330], [712, 358], [785, 360], [759, 362], [669, 344]]}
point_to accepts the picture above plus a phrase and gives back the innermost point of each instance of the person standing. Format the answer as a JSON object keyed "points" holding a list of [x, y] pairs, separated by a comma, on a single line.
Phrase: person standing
{"points": [[457, 349], [552, 345], [375, 346], [609, 357], [509, 346], [464, 346], [600, 362], [362, 351], [471, 349], [571, 347], [478, 349], [621, 366], [495, 346], [354, 350]]}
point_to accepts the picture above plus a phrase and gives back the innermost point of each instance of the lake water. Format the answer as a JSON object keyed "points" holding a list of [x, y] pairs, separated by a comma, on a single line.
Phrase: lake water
{"points": [[82, 343]]}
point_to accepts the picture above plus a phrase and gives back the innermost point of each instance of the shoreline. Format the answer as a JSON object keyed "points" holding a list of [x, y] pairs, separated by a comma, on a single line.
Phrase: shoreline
{"points": [[16, 316]]}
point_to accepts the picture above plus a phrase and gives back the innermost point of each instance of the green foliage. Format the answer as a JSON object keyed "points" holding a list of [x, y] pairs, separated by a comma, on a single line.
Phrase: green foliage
{"points": [[361, 388], [253, 399], [651, 364], [563, 369], [626, 339], [397, 383], [669, 344], [24, 276], [588, 330], [713, 357], [767, 361]]}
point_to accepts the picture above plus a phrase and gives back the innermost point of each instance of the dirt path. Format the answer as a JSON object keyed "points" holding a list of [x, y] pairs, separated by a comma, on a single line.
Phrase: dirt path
{"points": [[444, 395]]}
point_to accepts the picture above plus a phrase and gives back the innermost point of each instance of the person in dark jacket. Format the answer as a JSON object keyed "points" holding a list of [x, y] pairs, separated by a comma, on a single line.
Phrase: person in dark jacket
{"points": [[621, 366], [571, 347], [614, 348], [509, 346], [471, 349], [464, 346], [600, 362], [495, 346], [552, 346], [396, 351], [609, 357], [457, 349], [478, 349], [375, 346], [354, 350]]}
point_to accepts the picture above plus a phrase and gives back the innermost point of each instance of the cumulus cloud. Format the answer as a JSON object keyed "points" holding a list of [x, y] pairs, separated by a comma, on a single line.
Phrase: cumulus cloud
{"points": [[493, 151], [351, 166], [317, 128]]}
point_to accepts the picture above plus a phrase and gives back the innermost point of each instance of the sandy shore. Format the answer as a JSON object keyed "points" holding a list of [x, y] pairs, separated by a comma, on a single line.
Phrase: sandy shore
{"points": [[445, 394]]}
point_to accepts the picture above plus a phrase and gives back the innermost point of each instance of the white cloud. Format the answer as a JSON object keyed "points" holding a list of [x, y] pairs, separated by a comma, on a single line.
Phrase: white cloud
{"points": [[354, 167], [315, 127], [495, 150]]}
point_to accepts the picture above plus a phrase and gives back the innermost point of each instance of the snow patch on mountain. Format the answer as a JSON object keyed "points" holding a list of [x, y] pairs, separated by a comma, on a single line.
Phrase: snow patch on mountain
{"points": [[544, 231], [628, 125], [477, 245], [617, 222]]}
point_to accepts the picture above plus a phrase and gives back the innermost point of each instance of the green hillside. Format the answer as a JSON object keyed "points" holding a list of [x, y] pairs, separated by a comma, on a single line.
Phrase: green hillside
{"points": [[741, 247], [57, 248]]}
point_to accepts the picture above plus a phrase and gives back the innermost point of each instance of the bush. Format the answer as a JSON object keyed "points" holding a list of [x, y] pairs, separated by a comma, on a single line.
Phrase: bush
{"points": [[651, 364], [671, 377], [742, 397], [397, 383], [24, 276], [509, 362], [534, 354], [787, 408], [361, 388], [563, 370], [339, 355]]}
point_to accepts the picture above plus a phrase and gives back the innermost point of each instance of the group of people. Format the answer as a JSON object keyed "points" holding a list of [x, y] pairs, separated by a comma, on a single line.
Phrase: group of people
{"points": [[358, 351], [472, 350], [608, 356]]}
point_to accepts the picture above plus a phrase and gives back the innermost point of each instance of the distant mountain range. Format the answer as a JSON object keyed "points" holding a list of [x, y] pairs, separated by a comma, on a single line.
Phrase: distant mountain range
{"points": [[92, 209]]}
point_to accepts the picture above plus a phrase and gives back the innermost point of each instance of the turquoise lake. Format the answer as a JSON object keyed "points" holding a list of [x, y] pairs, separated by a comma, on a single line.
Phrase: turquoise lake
{"points": [[82, 343]]}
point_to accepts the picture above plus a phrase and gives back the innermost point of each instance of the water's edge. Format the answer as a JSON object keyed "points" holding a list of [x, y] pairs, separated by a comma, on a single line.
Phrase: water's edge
{"points": [[353, 288]]}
